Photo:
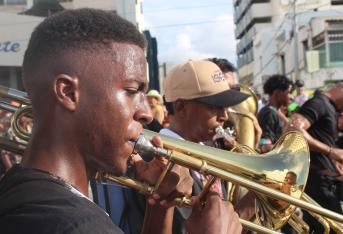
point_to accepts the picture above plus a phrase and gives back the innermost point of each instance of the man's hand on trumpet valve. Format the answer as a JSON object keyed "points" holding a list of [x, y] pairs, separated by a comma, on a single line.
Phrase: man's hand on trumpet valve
{"points": [[213, 215], [176, 183]]}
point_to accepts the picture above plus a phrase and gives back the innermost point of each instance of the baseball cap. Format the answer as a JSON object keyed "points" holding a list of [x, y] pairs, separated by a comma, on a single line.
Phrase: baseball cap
{"points": [[201, 81]]}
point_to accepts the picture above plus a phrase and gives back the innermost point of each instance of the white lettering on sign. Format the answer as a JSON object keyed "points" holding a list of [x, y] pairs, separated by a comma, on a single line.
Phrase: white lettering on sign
{"points": [[9, 46]]}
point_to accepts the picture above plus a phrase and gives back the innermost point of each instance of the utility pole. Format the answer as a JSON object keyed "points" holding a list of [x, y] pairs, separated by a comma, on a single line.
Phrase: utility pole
{"points": [[295, 38]]}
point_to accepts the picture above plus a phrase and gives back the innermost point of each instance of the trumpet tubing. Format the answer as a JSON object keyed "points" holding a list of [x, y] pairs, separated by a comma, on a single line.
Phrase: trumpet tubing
{"points": [[290, 154]]}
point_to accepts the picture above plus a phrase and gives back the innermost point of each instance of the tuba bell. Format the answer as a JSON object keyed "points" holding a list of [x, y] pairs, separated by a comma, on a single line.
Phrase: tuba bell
{"points": [[241, 116]]}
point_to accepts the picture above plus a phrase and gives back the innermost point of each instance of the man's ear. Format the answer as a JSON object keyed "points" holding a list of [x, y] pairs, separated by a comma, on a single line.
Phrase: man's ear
{"points": [[66, 90], [179, 106]]}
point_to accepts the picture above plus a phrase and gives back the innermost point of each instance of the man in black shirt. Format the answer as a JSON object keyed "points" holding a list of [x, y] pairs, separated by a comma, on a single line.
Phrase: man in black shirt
{"points": [[278, 88], [317, 120], [85, 72]]}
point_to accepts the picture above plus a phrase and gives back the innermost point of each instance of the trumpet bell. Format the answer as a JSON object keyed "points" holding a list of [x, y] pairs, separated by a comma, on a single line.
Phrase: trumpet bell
{"points": [[290, 156], [291, 146], [240, 116]]}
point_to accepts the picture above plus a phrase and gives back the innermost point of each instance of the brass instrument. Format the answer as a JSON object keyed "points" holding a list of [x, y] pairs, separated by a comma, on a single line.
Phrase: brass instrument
{"points": [[241, 117], [235, 146], [327, 223], [22, 110], [254, 172]]}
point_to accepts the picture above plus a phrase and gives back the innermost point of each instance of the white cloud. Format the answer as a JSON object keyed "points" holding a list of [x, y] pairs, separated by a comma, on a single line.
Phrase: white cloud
{"points": [[183, 50], [194, 41]]}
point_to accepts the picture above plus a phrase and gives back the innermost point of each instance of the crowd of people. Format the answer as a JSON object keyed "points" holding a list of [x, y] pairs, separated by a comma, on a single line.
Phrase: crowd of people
{"points": [[85, 73]]}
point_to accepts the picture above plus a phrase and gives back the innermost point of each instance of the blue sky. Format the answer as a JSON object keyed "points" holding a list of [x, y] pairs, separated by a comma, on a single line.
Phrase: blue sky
{"points": [[191, 29]]}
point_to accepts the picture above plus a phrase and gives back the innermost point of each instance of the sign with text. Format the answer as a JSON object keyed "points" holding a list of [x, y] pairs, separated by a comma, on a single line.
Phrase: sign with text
{"points": [[9, 46], [15, 32]]}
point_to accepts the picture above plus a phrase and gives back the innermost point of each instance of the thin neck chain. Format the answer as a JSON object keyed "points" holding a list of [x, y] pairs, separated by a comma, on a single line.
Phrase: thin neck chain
{"points": [[67, 185]]}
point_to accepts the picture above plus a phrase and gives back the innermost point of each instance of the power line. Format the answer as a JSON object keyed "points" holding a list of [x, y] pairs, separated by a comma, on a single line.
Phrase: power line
{"points": [[190, 23], [271, 59], [275, 34], [185, 8]]}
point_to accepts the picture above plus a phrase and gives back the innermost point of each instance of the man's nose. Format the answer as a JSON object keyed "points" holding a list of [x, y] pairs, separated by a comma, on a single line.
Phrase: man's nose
{"points": [[223, 114], [143, 111]]}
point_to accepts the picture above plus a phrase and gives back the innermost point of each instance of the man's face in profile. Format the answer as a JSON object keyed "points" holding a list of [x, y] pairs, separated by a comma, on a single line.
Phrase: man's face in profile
{"points": [[203, 119], [114, 93]]}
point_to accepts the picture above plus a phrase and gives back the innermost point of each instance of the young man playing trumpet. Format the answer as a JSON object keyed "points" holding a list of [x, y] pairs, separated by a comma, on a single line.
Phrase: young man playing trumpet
{"points": [[85, 72]]}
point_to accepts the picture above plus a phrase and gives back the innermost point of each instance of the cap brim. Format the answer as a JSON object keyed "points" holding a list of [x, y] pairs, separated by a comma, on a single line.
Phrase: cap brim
{"points": [[227, 98]]}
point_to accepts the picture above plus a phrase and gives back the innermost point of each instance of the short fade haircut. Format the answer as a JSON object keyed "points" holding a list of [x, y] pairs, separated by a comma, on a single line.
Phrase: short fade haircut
{"points": [[276, 82], [223, 64], [81, 29]]}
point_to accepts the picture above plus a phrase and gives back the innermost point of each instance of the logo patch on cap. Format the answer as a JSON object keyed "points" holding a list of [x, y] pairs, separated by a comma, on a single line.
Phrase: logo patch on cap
{"points": [[218, 76]]}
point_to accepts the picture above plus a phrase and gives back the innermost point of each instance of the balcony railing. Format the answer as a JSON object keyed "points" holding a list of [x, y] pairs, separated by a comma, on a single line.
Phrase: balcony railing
{"points": [[246, 40], [260, 13]]}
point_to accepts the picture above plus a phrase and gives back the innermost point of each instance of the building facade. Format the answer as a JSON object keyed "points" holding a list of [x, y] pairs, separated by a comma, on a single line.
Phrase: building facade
{"points": [[18, 20], [290, 38]]}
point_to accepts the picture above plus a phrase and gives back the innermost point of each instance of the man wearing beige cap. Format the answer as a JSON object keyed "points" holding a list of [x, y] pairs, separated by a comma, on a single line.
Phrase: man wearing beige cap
{"points": [[199, 95]]}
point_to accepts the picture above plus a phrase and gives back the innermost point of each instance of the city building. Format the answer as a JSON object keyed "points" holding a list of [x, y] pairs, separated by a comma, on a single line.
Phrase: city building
{"points": [[268, 29], [15, 31], [19, 17]]}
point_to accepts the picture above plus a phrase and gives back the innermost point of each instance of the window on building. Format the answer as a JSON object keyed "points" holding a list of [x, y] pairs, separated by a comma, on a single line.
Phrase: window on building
{"points": [[329, 44], [283, 64], [322, 55], [335, 47], [336, 52]]}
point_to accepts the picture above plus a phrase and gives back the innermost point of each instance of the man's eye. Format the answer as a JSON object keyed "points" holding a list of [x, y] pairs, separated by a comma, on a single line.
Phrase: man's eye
{"points": [[131, 90]]}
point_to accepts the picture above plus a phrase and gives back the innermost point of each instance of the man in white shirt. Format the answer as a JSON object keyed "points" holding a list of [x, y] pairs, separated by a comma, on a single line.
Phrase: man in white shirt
{"points": [[199, 95]]}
